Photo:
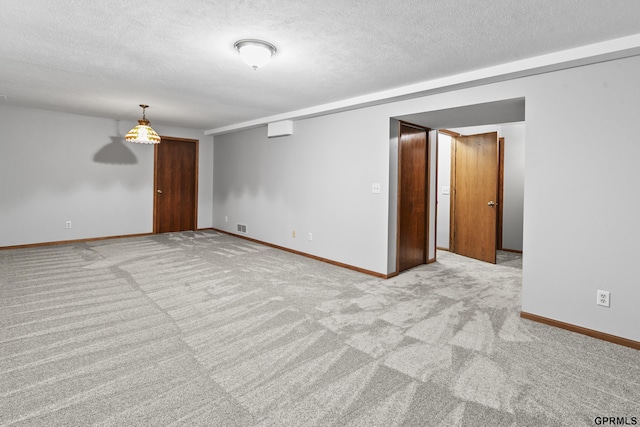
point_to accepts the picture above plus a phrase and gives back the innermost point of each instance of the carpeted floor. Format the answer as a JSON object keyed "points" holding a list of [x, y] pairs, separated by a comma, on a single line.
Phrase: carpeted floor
{"points": [[207, 329]]}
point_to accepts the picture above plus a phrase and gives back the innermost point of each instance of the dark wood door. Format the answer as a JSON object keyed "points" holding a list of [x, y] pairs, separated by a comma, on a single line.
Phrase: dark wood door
{"points": [[412, 197], [175, 204], [475, 196]]}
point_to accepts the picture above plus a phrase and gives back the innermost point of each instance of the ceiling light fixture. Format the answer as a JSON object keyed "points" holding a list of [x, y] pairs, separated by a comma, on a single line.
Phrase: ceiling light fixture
{"points": [[255, 53], [143, 133]]}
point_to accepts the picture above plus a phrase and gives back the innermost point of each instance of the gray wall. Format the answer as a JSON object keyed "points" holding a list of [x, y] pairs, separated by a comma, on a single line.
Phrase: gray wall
{"points": [[317, 180], [513, 203], [320, 179], [56, 167]]}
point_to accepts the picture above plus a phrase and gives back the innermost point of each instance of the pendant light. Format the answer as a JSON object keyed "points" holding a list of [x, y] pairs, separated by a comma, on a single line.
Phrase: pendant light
{"points": [[255, 53], [143, 133]]}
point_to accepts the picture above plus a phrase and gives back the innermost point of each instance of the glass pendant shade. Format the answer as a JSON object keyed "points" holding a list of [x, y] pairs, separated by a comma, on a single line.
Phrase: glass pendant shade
{"points": [[143, 133], [255, 53]]}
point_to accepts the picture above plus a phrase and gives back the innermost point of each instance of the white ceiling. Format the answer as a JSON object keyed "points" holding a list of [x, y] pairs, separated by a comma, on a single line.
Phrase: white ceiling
{"points": [[104, 58]]}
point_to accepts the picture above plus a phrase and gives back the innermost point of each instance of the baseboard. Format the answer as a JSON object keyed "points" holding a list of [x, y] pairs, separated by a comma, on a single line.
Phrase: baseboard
{"points": [[317, 258], [90, 239], [65, 242], [515, 251], [397, 273], [580, 330]]}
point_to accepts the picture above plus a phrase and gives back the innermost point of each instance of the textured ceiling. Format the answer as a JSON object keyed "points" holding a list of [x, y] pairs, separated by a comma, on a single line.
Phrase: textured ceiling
{"points": [[104, 58]]}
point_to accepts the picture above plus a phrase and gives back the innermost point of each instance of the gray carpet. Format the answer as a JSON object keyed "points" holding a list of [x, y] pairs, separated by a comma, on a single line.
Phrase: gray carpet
{"points": [[207, 329]]}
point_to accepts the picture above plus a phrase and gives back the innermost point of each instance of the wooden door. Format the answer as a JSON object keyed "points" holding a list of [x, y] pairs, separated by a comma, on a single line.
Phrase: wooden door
{"points": [[475, 196], [175, 206], [412, 197]]}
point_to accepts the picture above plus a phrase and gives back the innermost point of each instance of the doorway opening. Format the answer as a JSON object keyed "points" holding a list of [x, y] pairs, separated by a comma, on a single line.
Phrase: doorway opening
{"points": [[507, 117], [505, 202]]}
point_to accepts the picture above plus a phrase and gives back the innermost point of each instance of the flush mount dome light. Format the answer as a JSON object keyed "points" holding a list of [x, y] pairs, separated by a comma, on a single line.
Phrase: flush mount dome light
{"points": [[255, 53]]}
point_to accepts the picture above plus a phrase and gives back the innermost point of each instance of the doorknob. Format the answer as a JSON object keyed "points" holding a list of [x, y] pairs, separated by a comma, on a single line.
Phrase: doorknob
{"points": [[491, 204], [159, 191]]}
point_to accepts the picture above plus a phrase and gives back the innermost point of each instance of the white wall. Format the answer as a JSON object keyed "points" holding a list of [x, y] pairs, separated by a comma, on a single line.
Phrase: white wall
{"points": [[580, 230], [581, 214], [317, 180], [57, 167]]}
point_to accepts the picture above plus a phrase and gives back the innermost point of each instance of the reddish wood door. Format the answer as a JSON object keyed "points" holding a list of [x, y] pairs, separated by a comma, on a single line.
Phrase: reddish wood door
{"points": [[412, 197], [175, 206], [475, 196]]}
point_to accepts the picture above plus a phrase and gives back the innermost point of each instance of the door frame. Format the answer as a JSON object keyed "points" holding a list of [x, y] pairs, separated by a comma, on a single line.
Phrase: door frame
{"points": [[499, 213], [427, 210], [432, 161], [155, 180]]}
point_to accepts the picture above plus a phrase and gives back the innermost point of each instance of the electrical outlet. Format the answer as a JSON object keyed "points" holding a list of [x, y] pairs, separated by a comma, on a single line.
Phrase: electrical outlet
{"points": [[67, 224], [310, 236], [293, 234], [226, 218], [376, 188], [603, 298]]}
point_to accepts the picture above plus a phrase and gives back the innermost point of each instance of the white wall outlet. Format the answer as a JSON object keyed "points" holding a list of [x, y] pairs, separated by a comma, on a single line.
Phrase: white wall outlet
{"points": [[376, 188], [603, 298], [310, 236], [67, 224], [293, 234], [226, 218]]}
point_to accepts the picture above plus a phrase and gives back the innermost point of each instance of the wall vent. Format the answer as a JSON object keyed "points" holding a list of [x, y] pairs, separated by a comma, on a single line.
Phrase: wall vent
{"points": [[242, 228]]}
